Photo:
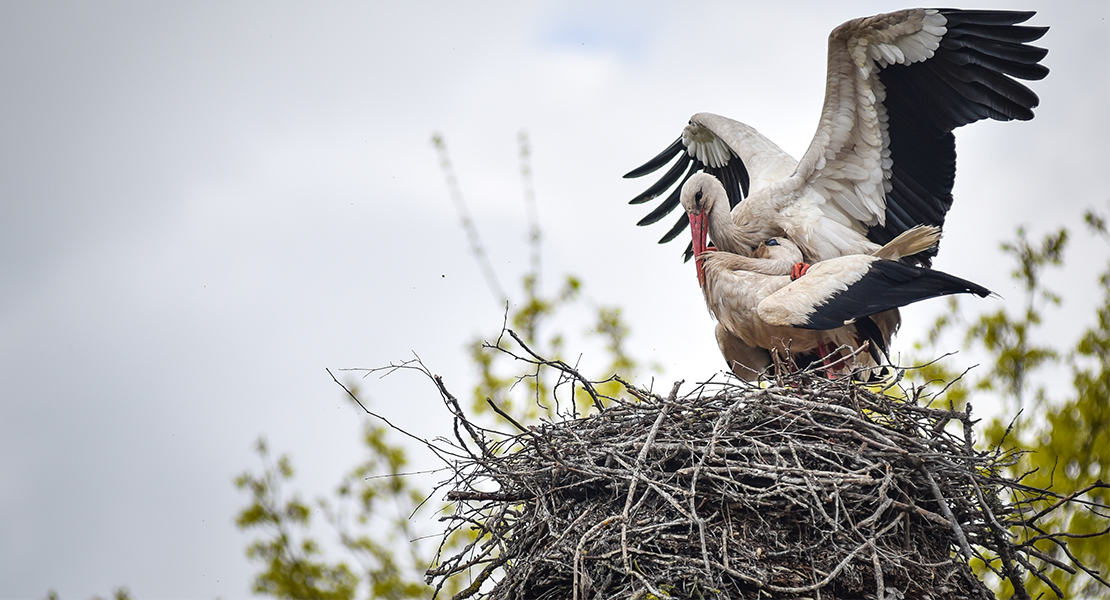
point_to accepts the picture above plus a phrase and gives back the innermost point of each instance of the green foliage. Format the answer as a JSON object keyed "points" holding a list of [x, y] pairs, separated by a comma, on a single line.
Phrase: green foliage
{"points": [[369, 512], [1067, 438], [613, 330], [294, 567], [1007, 337]]}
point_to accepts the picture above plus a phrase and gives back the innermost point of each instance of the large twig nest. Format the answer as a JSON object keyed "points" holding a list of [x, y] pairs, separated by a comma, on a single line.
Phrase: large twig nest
{"points": [[805, 489]]}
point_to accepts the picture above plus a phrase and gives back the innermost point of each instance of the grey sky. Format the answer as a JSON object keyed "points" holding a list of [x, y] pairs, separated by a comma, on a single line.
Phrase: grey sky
{"points": [[204, 205]]}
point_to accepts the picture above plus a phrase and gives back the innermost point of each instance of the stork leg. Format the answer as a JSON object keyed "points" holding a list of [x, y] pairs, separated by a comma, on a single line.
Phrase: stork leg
{"points": [[826, 352]]}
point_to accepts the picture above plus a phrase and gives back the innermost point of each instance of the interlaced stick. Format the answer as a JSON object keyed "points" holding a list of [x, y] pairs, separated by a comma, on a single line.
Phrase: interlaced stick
{"points": [[807, 487], [636, 479]]}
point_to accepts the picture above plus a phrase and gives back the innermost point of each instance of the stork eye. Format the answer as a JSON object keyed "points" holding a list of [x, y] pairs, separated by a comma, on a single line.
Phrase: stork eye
{"points": [[772, 242], [697, 196]]}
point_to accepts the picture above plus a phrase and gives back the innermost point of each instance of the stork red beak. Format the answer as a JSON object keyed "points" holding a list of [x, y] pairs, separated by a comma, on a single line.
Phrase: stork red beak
{"points": [[697, 226]]}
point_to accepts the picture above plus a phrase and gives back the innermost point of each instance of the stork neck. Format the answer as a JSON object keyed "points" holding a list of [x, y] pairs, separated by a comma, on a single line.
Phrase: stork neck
{"points": [[726, 234], [765, 266]]}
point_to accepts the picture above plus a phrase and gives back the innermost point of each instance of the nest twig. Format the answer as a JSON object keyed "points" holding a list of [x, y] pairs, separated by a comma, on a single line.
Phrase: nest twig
{"points": [[808, 488]]}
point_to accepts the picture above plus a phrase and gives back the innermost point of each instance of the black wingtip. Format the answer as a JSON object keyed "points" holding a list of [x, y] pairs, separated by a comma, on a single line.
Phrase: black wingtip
{"points": [[678, 227], [675, 173], [887, 284], [658, 161], [987, 17]]}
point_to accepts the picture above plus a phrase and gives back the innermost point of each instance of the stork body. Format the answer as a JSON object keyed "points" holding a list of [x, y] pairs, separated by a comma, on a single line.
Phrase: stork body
{"points": [[758, 309], [745, 361], [883, 158], [838, 302]]}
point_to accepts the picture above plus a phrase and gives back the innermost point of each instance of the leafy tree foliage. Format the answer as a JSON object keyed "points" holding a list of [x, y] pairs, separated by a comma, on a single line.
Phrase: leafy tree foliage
{"points": [[1066, 438], [294, 566]]}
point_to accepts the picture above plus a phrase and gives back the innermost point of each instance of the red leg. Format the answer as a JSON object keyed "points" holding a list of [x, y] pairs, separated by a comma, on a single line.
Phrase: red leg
{"points": [[826, 354]]}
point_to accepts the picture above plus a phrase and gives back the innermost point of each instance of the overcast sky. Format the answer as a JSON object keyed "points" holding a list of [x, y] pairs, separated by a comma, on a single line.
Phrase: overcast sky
{"points": [[204, 205]]}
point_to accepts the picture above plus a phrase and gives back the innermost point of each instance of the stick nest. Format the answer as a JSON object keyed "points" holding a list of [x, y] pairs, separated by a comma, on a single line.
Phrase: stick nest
{"points": [[805, 489]]}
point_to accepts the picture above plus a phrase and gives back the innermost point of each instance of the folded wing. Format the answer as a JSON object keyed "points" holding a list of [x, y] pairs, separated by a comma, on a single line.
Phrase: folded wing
{"points": [[837, 292]]}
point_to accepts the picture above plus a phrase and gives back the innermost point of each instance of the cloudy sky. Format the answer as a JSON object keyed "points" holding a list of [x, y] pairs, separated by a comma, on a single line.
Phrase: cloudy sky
{"points": [[204, 205]]}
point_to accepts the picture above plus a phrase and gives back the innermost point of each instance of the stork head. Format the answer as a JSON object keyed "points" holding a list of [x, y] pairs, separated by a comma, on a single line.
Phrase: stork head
{"points": [[780, 249], [698, 196]]}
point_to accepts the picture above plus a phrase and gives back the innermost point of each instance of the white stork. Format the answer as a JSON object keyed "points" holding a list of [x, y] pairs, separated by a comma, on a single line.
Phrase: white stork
{"points": [[705, 204], [764, 302], [883, 158]]}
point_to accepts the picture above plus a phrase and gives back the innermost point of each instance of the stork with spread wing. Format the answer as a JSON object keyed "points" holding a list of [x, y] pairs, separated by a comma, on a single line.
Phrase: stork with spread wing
{"points": [[884, 157]]}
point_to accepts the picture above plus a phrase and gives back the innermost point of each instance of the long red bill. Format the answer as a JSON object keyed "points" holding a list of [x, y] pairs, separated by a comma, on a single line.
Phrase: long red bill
{"points": [[698, 229]]}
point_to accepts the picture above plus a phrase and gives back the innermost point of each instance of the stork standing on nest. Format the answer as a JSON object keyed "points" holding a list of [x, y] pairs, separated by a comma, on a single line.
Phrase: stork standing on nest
{"points": [[767, 301], [883, 158], [703, 199], [775, 301]]}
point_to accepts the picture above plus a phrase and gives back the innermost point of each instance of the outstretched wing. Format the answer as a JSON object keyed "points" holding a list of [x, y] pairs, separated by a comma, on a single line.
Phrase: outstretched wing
{"points": [[837, 292], [884, 155], [736, 154], [883, 158]]}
